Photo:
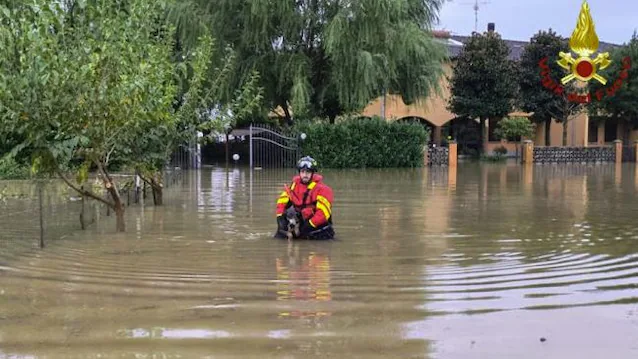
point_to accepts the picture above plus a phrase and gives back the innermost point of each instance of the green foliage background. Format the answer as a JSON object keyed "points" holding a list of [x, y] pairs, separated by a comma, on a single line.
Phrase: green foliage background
{"points": [[364, 142]]}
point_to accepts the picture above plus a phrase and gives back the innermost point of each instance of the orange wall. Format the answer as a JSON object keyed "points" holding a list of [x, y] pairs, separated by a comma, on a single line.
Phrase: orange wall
{"points": [[433, 109]]}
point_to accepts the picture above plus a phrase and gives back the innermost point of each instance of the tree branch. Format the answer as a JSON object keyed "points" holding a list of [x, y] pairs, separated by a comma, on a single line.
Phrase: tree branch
{"points": [[81, 191]]}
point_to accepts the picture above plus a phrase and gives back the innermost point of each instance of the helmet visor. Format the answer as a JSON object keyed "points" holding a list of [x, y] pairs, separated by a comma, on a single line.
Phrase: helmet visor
{"points": [[305, 164]]}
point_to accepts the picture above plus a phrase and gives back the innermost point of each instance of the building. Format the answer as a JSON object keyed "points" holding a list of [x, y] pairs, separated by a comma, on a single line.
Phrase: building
{"points": [[433, 111]]}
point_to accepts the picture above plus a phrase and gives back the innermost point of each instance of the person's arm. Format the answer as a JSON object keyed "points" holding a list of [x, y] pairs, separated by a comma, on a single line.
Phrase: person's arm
{"points": [[324, 207], [282, 201]]}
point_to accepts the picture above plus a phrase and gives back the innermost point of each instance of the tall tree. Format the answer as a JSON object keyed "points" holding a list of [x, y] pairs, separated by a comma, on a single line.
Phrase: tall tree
{"points": [[484, 81], [617, 99], [538, 64], [324, 57], [77, 89]]}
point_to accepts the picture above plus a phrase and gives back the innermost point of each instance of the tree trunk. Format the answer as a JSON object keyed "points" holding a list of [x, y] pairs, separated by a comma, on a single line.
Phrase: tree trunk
{"points": [[119, 217], [288, 118], [156, 185], [157, 196], [82, 221], [548, 131], [118, 207], [565, 129]]}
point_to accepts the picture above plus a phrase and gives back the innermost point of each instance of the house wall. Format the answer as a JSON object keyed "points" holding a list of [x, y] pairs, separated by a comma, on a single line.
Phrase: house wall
{"points": [[433, 109]]}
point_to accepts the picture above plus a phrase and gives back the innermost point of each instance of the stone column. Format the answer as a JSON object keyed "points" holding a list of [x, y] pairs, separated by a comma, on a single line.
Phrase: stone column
{"points": [[618, 150], [452, 154], [528, 152]]}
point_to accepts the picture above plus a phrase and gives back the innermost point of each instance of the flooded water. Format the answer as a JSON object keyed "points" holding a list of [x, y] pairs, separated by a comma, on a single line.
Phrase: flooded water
{"points": [[485, 261]]}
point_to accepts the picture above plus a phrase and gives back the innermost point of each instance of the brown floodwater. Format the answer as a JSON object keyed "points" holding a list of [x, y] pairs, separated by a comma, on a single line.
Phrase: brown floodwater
{"points": [[482, 261]]}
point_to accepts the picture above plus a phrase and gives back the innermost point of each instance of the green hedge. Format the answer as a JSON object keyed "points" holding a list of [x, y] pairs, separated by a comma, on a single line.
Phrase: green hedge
{"points": [[364, 142]]}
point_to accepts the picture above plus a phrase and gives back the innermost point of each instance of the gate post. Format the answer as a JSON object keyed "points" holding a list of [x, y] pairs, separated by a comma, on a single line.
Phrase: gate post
{"points": [[618, 150], [452, 156], [250, 144], [528, 152]]}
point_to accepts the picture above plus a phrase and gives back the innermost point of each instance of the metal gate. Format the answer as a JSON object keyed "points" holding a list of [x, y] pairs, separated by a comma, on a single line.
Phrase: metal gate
{"points": [[270, 148]]}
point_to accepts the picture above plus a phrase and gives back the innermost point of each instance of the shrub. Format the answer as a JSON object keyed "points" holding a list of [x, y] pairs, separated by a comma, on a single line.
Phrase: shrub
{"points": [[364, 142], [10, 169]]}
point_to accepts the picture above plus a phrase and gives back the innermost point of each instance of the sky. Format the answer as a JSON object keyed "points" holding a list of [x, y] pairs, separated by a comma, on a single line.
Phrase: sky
{"points": [[614, 20]]}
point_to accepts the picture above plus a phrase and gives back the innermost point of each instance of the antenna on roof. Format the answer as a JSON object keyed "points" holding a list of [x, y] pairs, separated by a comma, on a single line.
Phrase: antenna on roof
{"points": [[475, 6]]}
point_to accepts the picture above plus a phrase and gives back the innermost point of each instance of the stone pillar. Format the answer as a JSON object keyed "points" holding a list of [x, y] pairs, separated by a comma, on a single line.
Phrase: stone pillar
{"points": [[618, 150], [452, 154], [528, 152]]}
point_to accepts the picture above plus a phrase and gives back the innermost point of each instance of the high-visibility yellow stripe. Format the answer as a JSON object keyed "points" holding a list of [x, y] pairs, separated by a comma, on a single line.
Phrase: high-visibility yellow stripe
{"points": [[324, 209], [323, 200], [283, 198], [312, 224], [312, 185]]}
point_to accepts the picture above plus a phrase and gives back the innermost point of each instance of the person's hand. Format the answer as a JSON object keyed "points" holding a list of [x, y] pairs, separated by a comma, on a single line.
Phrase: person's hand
{"points": [[305, 228]]}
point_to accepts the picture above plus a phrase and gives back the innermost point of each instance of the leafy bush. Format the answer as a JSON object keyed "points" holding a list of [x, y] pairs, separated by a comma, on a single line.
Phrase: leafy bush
{"points": [[364, 142], [10, 169]]}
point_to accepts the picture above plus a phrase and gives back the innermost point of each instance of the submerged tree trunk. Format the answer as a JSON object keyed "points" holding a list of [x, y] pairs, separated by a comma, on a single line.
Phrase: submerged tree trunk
{"points": [[118, 207], [82, 220], [116, 204], [158, 189]]}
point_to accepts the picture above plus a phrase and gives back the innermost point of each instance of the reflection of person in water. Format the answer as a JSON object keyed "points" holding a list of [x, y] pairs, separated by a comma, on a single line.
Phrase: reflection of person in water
{"points": [[308, 281]]}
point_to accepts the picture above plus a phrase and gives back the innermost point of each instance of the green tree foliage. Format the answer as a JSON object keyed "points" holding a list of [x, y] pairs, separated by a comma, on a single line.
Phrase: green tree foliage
{"points": [[323, 57], [484, 82], [514, 128], [77, 81], [544, 103], [364, 142], [617, 98]]}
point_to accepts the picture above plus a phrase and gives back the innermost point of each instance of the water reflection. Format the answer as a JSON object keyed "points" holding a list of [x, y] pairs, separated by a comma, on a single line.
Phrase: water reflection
{"points": [[435, 262], [304, 278]]}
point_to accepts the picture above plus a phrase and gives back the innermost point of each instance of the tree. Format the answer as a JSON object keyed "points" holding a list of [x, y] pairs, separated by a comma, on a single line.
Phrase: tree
{"points": [[484, 81], [617, 99], [323, 57], [538, 64], [515, 128], [76, 82]]}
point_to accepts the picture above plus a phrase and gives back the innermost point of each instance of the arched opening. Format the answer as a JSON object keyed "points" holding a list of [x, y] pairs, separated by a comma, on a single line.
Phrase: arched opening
{"points": [[435, 131], [466, 133]]}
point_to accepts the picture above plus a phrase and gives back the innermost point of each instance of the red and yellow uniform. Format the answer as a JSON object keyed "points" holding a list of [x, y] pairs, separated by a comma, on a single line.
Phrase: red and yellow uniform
{"points": [[313, 201]]}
